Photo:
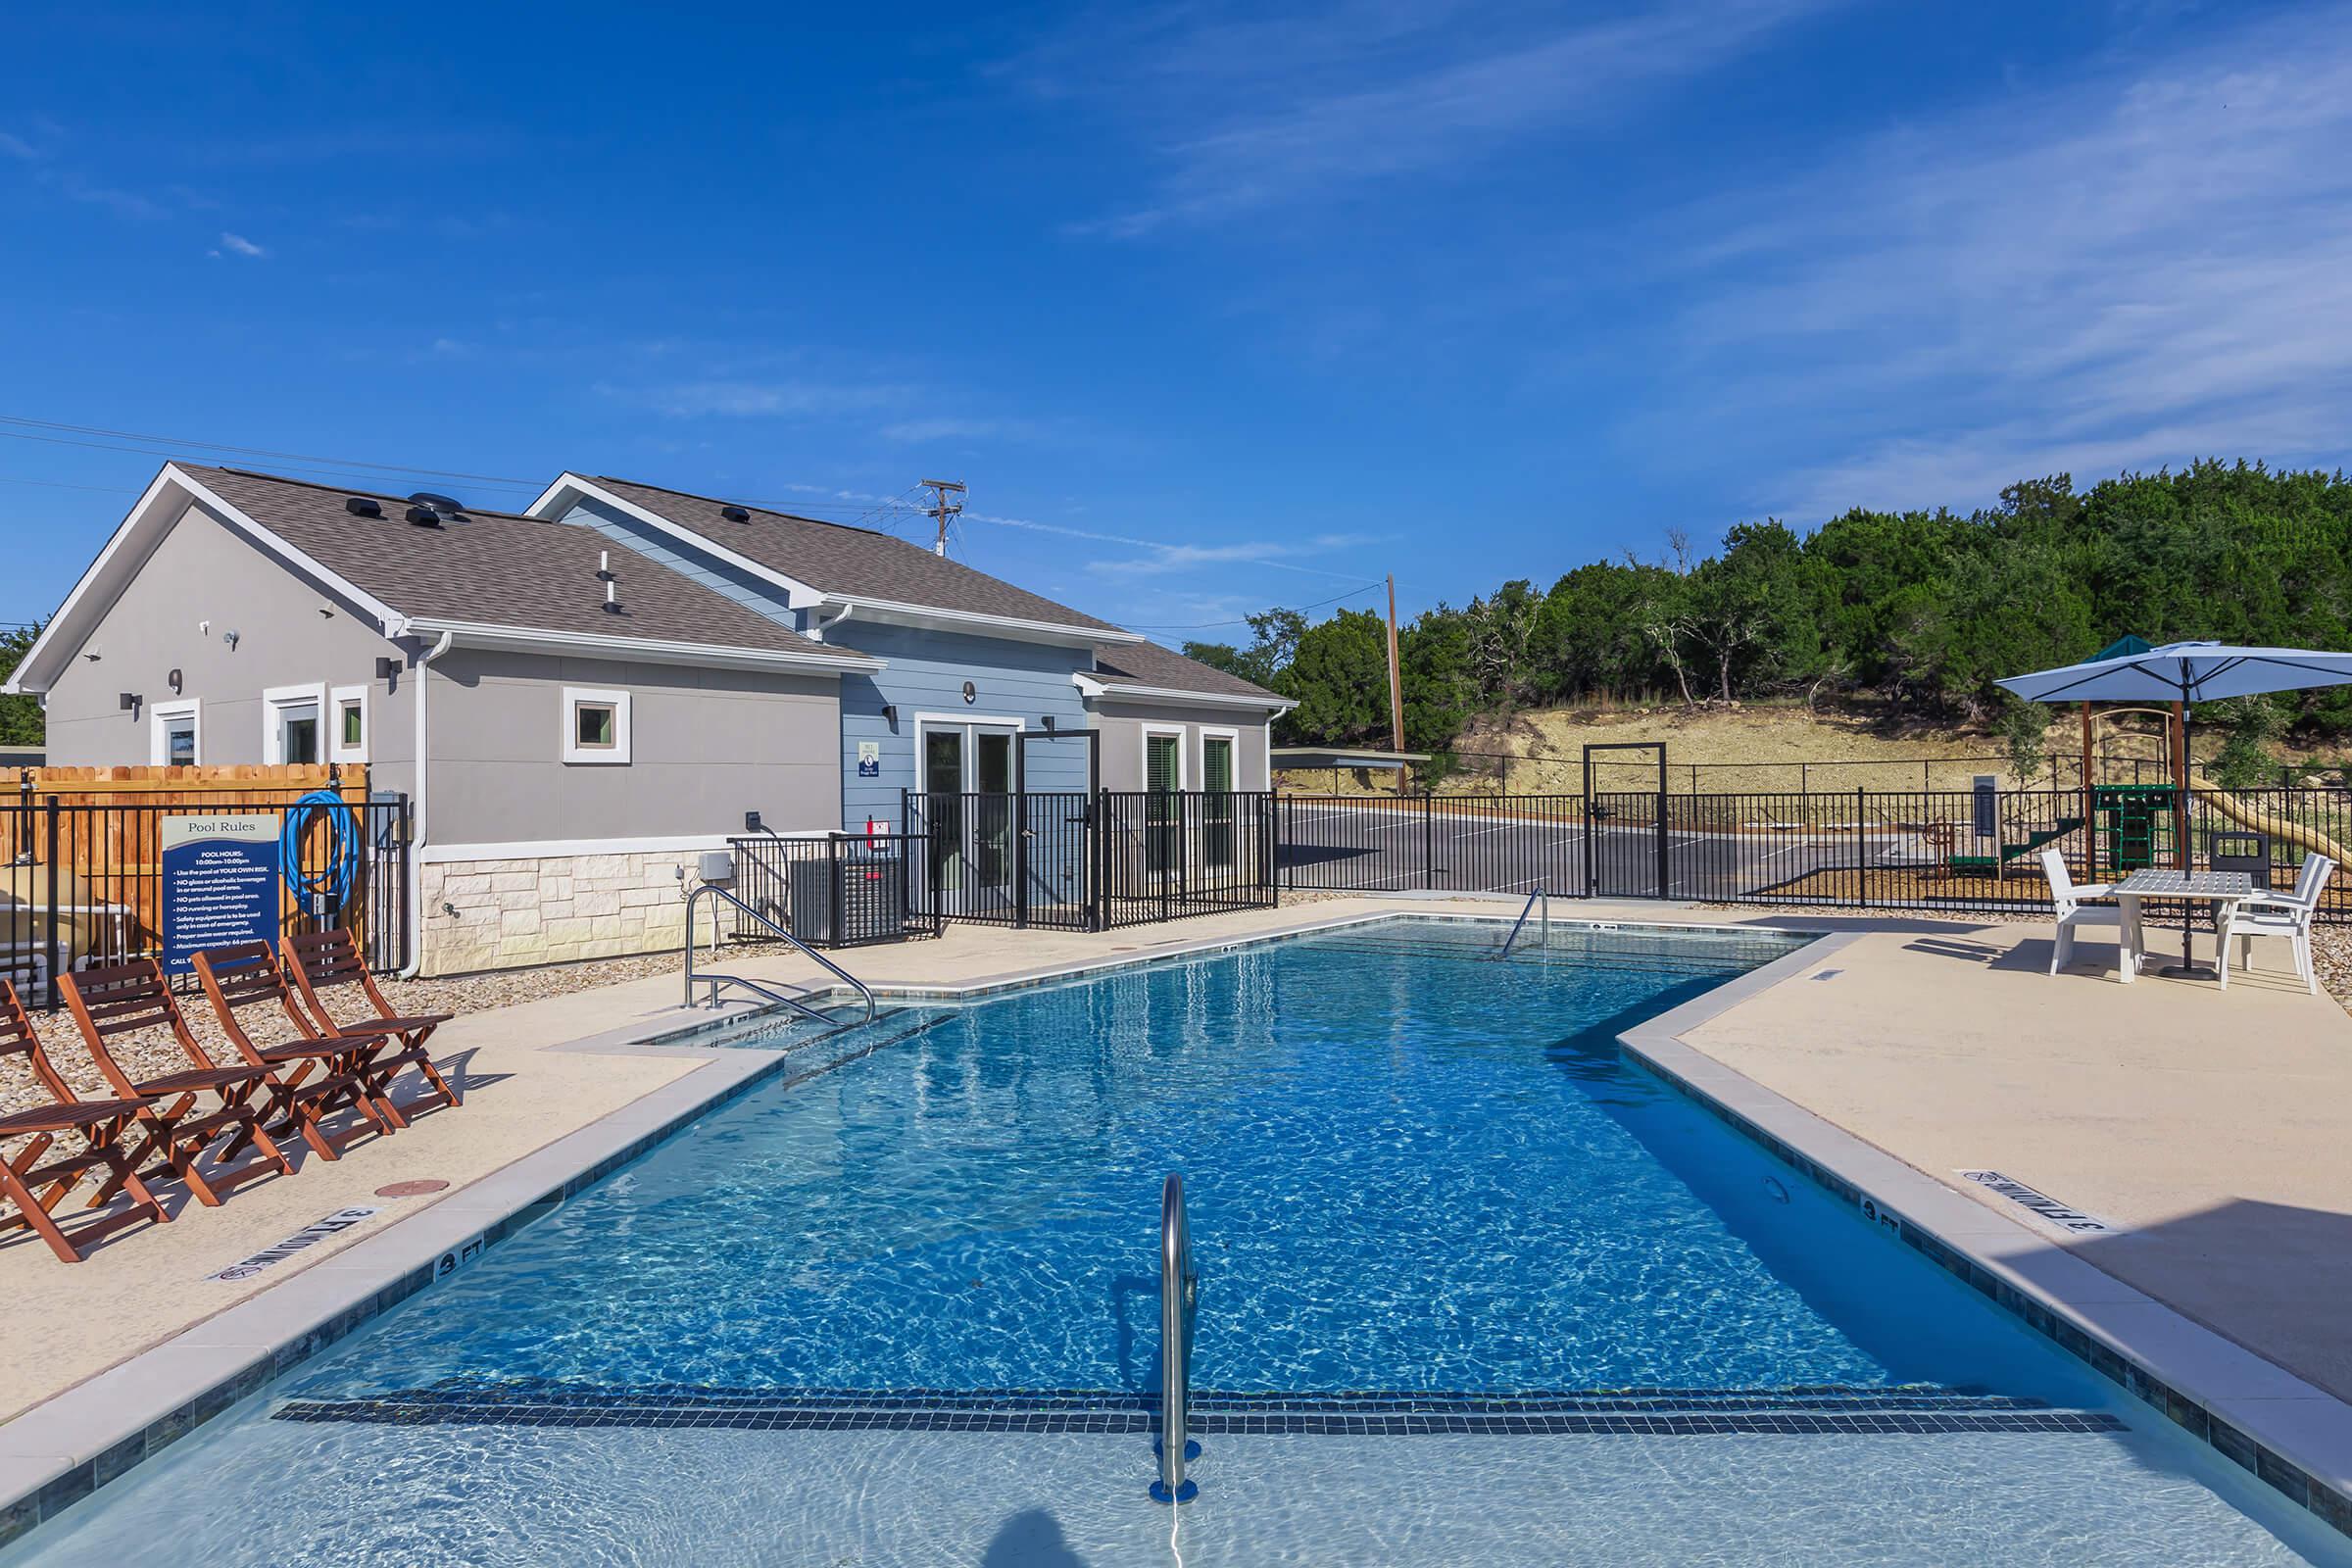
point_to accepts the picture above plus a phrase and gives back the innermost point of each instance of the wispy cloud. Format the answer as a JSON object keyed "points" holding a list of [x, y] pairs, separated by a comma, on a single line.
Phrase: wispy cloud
{"points": [[1163, 559], [1248, 113], [749, 399], [2126, 273], [239, 245], [925, 431]]}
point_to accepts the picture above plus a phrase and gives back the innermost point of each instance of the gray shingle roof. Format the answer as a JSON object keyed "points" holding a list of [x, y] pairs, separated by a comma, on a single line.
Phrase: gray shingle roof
{"points": [[1149, 665], [496, 569], [849, 562]]}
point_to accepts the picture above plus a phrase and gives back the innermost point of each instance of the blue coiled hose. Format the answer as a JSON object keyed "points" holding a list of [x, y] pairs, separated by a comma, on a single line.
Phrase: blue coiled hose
{"points": [[341, 872]]}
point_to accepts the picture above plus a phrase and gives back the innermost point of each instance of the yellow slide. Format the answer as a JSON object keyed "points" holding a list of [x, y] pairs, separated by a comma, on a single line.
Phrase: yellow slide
{"points": [[2283, 829]]}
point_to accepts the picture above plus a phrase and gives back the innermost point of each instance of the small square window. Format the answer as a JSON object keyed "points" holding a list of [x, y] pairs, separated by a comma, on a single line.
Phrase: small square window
{"points": [[595, 726], [347, 724]]}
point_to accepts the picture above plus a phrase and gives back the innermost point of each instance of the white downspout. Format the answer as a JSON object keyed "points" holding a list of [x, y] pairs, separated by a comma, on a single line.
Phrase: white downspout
{"points": [[817, 627], [417, 820]]}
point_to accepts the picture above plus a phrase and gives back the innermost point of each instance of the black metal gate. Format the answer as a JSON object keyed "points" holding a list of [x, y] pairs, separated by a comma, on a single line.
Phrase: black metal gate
{"points": [[1626, 832]]}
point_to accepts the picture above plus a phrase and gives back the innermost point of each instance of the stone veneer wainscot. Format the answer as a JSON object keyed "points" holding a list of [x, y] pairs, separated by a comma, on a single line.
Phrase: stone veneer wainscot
{"points": [[553, 909]]}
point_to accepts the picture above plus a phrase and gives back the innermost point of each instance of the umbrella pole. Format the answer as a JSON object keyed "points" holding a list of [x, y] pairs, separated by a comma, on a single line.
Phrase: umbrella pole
{"points": [[2187, 968]]}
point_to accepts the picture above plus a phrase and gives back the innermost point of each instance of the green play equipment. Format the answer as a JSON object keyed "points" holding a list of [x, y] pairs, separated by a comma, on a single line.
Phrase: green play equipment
{"points": [[2011, 853], [2134, 825]]}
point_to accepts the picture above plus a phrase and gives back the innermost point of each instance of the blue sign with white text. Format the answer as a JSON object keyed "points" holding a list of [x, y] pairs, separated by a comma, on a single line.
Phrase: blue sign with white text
{"points": [[219, 885]]}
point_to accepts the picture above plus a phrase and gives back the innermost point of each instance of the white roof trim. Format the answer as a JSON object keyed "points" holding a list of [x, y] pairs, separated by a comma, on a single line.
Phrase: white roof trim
{"points": [[798, 595], [1094, 686], [802, 595], [1019, 630], [642, 650], [115, 568]]}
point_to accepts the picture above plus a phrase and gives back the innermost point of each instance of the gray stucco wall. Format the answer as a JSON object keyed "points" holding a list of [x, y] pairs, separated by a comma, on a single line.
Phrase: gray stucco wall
{"points": [[1121, 727], [201, 581], [705, 745]]}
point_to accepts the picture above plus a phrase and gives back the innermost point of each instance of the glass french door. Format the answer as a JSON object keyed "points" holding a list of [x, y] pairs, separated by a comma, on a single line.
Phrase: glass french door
{"points": [[968, 774]]}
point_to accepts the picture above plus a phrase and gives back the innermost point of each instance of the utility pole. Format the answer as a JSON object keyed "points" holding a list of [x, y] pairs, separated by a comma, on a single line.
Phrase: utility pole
{"points": [[1396, 683], [942, 508]]}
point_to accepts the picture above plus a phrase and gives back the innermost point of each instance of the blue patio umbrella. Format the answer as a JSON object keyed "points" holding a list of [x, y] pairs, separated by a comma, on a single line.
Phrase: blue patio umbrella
{"points": [[2183, 672], [2132, 671]]}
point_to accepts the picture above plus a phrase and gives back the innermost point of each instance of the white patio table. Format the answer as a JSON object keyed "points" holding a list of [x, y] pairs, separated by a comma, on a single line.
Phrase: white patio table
{"points": [[2218, 888]]}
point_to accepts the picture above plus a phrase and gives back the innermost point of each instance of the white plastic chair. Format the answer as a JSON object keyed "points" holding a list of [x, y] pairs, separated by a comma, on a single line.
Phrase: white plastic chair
{"points": [[2068, 898], [2278, 915]]}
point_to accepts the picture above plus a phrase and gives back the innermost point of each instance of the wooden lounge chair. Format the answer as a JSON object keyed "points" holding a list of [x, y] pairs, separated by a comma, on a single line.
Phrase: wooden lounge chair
{"points": [[324, 962], [247, 975], [124, 996], [91, 1130]]}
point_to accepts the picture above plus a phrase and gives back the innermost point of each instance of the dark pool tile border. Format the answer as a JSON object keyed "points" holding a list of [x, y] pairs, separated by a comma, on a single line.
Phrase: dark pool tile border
{"points": [[2191, 1416], [77, 1481]]}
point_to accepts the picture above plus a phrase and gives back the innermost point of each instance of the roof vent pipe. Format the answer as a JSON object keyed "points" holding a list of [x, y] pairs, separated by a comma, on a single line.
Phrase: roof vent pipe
{"points": [[611, 591]]}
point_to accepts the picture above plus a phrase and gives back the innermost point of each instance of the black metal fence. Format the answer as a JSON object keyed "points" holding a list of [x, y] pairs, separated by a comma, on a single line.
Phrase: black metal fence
{"points": [[1166, 854], [1861, 848], [83, 884], [835, 889], [1062, 859]]}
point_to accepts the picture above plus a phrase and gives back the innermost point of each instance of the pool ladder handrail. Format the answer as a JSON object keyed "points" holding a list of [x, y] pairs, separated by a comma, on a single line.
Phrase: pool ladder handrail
{"points": [[1539, 896], [1179, 1299], [716, 980]]}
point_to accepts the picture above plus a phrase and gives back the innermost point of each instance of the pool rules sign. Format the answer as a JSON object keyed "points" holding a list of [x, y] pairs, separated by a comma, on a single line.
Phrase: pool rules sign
{"points": [[219, 885]]}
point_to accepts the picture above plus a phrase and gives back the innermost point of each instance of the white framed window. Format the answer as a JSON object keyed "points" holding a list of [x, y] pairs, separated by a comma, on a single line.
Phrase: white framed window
{"points": [[293, 725], [595, 726], [176, 733], [1164, 759], [347, 724]]}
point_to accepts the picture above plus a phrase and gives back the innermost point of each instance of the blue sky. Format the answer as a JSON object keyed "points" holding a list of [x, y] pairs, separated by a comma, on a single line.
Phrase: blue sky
{"points": [[1213, 307]]}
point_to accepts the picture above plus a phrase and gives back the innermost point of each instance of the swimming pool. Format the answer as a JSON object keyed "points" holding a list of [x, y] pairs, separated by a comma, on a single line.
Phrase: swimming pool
{"points": [[1474, 1289]]}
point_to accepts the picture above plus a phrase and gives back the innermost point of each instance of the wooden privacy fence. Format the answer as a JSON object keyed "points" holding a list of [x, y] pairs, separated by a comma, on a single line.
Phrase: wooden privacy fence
{"points": [[81, 857]]}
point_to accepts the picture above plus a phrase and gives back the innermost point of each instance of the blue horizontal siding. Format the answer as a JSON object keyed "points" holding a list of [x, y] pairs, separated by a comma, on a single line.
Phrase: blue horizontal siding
{"points": [[1027, 681]]}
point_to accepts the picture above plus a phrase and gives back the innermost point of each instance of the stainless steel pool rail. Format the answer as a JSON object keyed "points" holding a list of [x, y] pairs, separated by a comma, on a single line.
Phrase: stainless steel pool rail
{"points": [[771, 993], [1533, 899], [1179, 1296]]}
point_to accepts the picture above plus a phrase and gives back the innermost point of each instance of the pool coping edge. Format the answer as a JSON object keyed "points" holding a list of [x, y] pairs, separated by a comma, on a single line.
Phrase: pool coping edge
{"points": [[2070, 1302]]}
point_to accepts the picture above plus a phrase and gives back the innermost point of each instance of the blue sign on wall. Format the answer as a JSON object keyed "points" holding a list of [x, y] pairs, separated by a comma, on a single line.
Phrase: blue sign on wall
{"points": [[219, 885]]}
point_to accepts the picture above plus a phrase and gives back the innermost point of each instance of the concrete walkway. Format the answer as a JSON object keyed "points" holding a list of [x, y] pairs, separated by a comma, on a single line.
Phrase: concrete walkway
{"points": [[2213, 1126]]}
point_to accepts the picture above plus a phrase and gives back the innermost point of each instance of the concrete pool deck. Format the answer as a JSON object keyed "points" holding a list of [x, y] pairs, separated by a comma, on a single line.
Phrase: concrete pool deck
{"points": [[2209, 1128]]}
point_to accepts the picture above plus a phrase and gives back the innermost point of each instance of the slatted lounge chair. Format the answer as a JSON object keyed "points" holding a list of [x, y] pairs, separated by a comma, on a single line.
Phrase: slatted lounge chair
{"points": [[2067, 896], [86, 1134], [326, 961], [124, 996], [2278, 915], [247, 975]]}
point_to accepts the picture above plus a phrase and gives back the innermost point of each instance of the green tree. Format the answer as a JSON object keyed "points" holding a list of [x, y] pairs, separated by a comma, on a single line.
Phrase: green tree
{"points": [[19, 717]]}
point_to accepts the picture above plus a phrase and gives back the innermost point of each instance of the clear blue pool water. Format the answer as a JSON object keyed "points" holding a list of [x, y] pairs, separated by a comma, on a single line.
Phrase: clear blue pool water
{"points": [[1410, 1167]]}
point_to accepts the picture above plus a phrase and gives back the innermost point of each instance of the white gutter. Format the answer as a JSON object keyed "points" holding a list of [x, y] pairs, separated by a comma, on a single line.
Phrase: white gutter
{"points": [[416, 822], [1094, 686], [645, 650]]}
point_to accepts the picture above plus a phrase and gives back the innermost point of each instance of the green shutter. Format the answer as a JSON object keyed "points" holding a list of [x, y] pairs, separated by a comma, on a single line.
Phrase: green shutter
{"points": [[1217, 764], [1159, 764]]}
